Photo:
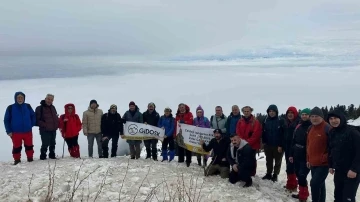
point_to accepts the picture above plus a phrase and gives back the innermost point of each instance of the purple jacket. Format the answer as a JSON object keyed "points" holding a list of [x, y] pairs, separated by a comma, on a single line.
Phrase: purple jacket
{"points": [[202, 121]]}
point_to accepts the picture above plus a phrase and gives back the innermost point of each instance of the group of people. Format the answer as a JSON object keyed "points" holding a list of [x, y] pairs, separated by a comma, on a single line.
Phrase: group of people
{"points": [[310, 144]]}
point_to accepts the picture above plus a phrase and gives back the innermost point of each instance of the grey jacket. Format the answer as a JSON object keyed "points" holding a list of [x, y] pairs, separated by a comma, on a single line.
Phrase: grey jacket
{"points": [[137, 118], [218, 123]]}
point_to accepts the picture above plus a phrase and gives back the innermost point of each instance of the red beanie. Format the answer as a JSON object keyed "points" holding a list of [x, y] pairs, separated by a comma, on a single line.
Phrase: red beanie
{"points": [[132, 103]]}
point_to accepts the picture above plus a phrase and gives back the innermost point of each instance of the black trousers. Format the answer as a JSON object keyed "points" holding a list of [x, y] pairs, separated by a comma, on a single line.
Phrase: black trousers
{"points": [[182, 152], [72, 142], [168, 141], [301, 171], [243, 175], [114, 145], [48, 140], [151, 148], [345, 188]]}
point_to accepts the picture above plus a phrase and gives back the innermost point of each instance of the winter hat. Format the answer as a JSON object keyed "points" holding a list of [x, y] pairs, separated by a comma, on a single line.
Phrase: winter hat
{"points": [[199, 108], [167, 109], [306, 111], [151, 104], [217, 131], [93, 101], [132, 103], [293, 110], [317, 111], [274, 108], [113, 106]]}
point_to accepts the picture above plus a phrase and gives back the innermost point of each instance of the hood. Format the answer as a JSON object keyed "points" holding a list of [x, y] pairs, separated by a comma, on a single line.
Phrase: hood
{"points": [[340, 115], [242, 143], [187, 110], [19, 93], [294, 111], [70, 105], [274, 108], [200, 108]]}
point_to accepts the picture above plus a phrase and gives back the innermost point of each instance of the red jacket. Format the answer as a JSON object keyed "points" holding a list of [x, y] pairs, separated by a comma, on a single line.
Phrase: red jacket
{"points": [[250, 130], [72, 127], [186, 118]]}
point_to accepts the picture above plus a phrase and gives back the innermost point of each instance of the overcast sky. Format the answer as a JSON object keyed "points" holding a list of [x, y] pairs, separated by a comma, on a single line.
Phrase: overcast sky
{"points": [[163, 27]]}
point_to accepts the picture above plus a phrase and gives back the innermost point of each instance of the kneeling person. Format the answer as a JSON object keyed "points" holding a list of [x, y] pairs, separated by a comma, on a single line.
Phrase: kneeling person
{"points": [[220, 146], [241, 157]]}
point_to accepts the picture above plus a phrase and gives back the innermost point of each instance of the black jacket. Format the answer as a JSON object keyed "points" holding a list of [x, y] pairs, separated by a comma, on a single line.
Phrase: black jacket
{"points": [[245, 156], [289, 129], [220, 150], [298, 144], [111, 124], [344, 146], [151, 119]]}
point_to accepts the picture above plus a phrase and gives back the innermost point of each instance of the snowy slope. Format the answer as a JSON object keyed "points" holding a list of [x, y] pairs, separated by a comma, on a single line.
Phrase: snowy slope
{"points": [[355, 122], [145, 179]]}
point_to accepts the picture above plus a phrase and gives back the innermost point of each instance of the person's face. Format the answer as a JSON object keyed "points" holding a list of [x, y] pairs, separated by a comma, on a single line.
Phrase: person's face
{"points": [[315, 119], [132, 107], [217, 135], [113, 110], [93, 106], [151, 108], [199, 113], [167, 113], [334, 121], [305, 117], [290, 115], [182, 108], [235, 140], [247, 112], [49, 100], [70, 109], [235, 110], [272, 113], [20, 99], [218, 111]]}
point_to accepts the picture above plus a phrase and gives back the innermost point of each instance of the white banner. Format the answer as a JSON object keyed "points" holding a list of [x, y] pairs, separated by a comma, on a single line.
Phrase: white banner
{"points": [[140, 131], [189, 137]]}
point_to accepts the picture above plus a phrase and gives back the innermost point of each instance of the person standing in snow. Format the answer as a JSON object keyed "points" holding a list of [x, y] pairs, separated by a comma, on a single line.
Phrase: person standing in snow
{"points": [[241, 157], [344, 157], [70, 126], [91, 122], [167, 122], [273, 133], [249, 129], [111, 128], [232, 120], [203, 122], [220, 145], [19, 119], [134, 115], [48, 121], [151, 117], [297, 154], [291, 121], [183, 115], [218, 121], [317, 154]]}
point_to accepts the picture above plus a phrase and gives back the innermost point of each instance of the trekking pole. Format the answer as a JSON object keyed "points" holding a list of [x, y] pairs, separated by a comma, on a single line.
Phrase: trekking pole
{"points": [[63, 149]]}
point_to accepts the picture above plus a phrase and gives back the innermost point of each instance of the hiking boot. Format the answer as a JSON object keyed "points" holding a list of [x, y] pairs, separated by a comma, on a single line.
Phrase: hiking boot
{"points": [[52, 157], [274, 178], [188, 164], [267, 177], [30, 159], [295, 196], [248, 184], [199, 162], [16, 162], [133, 157]]}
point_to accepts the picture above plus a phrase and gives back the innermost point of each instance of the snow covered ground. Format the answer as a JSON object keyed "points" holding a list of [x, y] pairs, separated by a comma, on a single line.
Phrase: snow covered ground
{"points": [[135, 180], [355, 122]]}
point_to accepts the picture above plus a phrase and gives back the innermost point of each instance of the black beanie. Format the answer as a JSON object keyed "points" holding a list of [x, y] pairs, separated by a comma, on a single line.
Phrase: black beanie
{"points": [[317, 111], [93, 101]]}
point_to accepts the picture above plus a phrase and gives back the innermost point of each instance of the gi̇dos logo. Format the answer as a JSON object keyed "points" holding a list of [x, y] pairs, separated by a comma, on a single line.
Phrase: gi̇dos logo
{"points": [[133, 129]]}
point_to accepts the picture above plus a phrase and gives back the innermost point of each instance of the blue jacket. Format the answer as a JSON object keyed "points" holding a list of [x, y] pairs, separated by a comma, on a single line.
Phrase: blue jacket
{"points": [[21, 119], [231, 123], [168, 123]]}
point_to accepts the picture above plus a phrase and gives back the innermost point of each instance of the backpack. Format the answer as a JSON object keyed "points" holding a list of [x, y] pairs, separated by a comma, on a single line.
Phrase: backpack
{"points": [[10, 110]]}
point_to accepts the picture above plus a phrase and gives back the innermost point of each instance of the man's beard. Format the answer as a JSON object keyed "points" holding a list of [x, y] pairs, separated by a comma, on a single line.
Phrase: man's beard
{"points": [[217, 137]]}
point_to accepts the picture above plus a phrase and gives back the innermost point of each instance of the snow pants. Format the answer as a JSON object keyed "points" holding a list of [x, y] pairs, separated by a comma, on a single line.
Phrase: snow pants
{"points": [[17, 140], [73, 146], [48, 140], [317, 183], [114, 145], [345, 188], [301, 171], [290, 167], [151, 148], [271, 153], [242, 175], [182, 152]]}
